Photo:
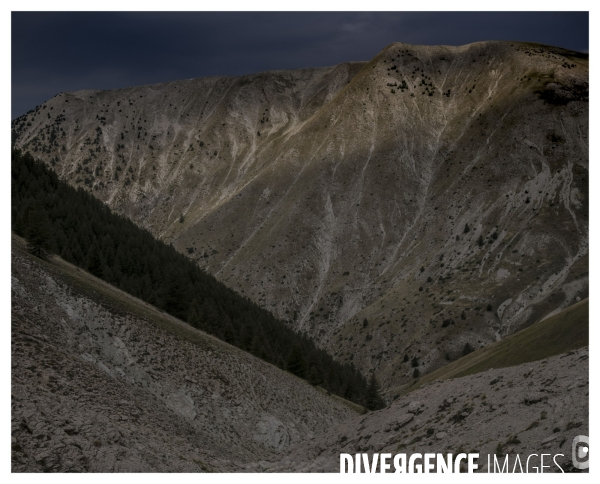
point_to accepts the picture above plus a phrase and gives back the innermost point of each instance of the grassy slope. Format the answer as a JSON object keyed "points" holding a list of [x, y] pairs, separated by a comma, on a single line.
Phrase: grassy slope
{"points": [[565, 331], [120, 302]]}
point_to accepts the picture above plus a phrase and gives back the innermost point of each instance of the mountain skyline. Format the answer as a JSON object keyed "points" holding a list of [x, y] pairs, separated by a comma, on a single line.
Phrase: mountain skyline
{"points": [[410, 232], [139, 49], [317, 192]]}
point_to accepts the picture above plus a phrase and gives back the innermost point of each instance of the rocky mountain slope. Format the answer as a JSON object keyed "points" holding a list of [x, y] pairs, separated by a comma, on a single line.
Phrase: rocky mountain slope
{"points": [[103, 382], [395, 210], [528, 409]]}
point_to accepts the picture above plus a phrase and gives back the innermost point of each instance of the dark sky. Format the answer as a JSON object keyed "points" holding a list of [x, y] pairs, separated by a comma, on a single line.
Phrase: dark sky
{"points": [[63, 51]]}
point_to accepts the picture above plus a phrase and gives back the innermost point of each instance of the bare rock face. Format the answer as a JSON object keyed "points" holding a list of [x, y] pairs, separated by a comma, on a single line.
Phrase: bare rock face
{"points": [[103, 382], [529, 409], [431, 198]]}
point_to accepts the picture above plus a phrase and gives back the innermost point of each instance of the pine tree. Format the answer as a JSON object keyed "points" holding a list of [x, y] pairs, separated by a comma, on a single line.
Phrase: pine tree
{"points": [[175, 302], [94, 264], [37, 232], [373, 399], [295, 362], [314, 376], [468, 349]]}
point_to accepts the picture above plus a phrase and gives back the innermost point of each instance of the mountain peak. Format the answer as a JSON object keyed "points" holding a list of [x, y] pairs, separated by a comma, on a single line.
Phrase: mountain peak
{"points": [[439, 193]]}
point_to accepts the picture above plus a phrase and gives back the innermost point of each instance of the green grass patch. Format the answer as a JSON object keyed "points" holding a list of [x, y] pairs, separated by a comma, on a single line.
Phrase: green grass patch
{"points": [[563, 332]]}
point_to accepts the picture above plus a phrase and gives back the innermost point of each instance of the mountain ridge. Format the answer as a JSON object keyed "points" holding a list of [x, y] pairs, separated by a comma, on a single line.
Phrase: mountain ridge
{"points": [[360, 192]]}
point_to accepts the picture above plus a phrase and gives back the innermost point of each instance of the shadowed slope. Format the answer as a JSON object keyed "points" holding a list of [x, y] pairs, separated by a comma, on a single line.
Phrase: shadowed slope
{"points": [[414, 191], [104, 382]]}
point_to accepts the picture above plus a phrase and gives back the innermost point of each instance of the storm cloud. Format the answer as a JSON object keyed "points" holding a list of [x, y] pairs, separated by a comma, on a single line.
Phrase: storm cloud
{"points": [[54, 52]]}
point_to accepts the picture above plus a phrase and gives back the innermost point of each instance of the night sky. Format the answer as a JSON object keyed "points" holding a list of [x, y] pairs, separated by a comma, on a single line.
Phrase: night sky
{"points": [[54, 51]]}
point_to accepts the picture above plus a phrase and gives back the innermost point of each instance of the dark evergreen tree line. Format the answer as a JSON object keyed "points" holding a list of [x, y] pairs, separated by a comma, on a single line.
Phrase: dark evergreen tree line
{"points": [[57, 218]]}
